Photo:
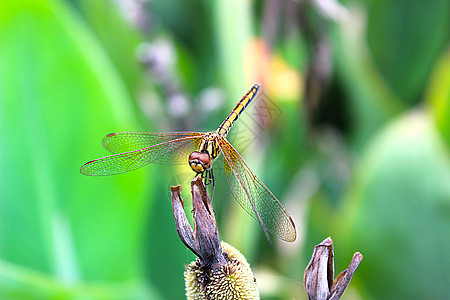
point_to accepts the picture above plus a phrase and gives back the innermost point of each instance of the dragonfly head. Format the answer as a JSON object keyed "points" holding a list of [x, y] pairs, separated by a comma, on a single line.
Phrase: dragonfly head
{"points": [[200, 161]]}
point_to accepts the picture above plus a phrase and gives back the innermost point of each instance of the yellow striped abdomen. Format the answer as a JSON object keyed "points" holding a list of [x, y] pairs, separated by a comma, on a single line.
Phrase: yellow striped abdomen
{"points": [[225, 127]]}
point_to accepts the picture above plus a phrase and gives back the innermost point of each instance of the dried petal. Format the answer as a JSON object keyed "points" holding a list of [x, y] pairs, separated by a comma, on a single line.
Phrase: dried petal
{"points": [[184, 229], [343, 280], [206, 232], [319, 273]]}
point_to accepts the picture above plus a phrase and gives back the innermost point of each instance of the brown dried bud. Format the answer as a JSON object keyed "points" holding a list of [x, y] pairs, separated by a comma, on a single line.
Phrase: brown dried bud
{"points": [[221, 271], [204, 241], [319, 273]]}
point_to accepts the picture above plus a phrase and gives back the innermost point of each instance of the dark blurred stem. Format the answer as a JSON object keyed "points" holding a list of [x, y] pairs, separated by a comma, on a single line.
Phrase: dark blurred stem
{"points": [[270, 21]]}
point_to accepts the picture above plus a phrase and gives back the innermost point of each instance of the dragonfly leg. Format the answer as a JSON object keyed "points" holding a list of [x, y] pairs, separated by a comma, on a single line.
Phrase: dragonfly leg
{"points": [[213, 183], [208, 176]]}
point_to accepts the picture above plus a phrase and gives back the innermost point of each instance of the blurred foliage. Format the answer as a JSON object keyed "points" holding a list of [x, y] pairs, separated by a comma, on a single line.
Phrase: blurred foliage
{"points": [[59, 91], [438, 95], [405, 39], [351, 132], [398, 201]]}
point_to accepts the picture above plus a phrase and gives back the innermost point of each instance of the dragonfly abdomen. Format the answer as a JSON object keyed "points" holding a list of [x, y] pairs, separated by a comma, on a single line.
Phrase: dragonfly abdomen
{"points": [[225, 127]]}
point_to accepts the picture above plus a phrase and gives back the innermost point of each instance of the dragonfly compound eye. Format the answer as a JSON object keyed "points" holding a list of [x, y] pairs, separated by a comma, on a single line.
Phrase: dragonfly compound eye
{"points": [[194, 156], [199, 161], [205, 160]]}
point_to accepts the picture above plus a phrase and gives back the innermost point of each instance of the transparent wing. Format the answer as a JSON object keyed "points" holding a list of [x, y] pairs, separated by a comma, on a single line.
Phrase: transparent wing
{"points": [[172, 152], [120, 142], [256, 199]]}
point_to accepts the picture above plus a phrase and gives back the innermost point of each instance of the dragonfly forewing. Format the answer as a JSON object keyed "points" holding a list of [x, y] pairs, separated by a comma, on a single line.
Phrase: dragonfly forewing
{"points": [[254, 197], [119, 142], [172, 152]]}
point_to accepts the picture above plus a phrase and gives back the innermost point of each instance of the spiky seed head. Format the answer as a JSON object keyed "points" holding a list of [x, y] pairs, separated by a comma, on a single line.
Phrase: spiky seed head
{"points": [[234, 280]]}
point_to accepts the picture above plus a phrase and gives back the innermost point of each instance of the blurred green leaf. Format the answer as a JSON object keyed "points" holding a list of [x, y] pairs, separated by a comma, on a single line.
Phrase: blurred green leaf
{"points": [[406, 38], [59, 95], [22, 283], [438, 95], [397, 212], [118, 39], [231, 39]]}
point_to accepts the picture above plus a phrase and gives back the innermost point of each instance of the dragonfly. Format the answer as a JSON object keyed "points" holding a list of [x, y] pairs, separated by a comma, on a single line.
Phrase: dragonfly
{"points": [[133, 150]]}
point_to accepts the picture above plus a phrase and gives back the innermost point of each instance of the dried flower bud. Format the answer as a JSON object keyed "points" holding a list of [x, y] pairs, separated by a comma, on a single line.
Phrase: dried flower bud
{"points": [[221, 271], [233, 280], [204, 241], [319, 273]]}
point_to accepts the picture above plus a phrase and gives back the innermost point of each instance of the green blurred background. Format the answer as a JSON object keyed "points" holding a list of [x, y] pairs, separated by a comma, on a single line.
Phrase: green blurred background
{"points": [[353, 136]]}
